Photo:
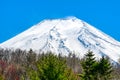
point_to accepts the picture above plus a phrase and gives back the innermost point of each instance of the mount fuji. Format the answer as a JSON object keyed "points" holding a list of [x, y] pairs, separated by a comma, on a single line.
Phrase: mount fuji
{"points": [[64, 36]]}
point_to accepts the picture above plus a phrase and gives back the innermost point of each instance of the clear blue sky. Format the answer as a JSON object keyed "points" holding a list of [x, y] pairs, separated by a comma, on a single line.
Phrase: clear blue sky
{"points": [[18, 15]]}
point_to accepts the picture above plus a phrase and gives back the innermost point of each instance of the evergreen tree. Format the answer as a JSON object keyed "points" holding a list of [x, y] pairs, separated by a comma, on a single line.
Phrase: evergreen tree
{"points": [[105, 68], [88, 66], [52, 68]]}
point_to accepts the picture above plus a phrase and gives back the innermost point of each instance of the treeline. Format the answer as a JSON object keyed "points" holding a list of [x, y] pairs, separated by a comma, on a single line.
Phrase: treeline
{"points": [[28, 65]]}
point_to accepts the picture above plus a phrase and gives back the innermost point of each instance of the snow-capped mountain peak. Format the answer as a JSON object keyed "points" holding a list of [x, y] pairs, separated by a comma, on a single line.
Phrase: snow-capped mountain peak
{"points": [[64, 36]]}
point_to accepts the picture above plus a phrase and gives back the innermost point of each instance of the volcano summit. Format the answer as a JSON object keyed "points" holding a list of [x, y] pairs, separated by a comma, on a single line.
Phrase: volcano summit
{"points": [[64, 36]]}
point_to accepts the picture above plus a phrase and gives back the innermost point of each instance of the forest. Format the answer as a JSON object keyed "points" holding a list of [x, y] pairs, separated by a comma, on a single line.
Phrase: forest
{"points": [[29, 65]]}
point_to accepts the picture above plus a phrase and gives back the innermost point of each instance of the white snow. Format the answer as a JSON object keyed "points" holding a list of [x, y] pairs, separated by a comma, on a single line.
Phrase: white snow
{"points": [[64, 36]]}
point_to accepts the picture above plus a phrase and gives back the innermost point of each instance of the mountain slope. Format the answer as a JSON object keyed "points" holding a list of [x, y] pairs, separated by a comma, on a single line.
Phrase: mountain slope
{"points": [[65, 36]]}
